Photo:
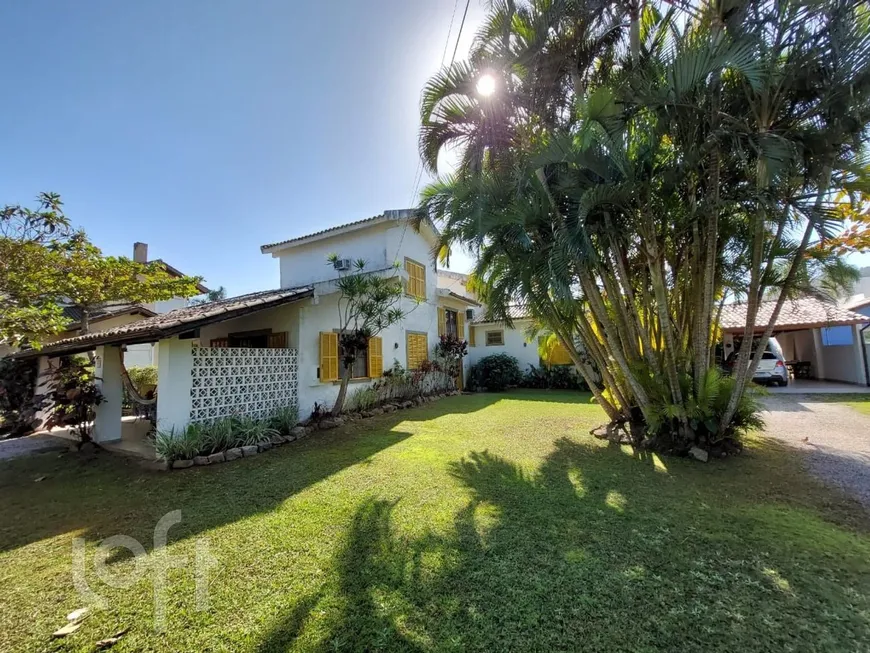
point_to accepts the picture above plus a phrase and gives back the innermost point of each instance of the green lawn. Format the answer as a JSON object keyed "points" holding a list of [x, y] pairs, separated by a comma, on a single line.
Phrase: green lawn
{"points": [[860, 402], [485, 522]]}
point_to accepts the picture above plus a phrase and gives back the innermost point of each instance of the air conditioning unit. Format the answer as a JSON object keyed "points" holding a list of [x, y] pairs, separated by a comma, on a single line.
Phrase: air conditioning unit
{"points": [[469, 313], [341, 264]]}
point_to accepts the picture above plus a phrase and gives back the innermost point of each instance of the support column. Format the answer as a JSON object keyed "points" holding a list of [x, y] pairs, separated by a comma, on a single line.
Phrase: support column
{"points": [[174, 365], [818, 349], [107, 370], [859, 375]]}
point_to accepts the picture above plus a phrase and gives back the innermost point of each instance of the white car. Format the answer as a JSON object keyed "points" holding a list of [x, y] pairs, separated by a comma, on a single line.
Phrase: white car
{"points": [[772, 367]]}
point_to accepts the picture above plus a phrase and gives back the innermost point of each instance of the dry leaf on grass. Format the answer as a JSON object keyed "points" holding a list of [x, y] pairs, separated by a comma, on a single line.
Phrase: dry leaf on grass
{"points": [[111, 641], [69, 629]]}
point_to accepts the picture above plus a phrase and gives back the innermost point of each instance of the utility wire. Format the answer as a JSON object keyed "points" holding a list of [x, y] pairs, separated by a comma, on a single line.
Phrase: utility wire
{"points": [[418, 175]]}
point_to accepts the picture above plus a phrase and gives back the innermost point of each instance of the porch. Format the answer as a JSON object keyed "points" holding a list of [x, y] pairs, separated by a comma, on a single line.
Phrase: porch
{"points": [[231, 357]]}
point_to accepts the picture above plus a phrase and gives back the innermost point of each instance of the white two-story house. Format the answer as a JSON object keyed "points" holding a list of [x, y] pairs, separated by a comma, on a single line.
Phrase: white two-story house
{"points": [[252, 354], [386, 242]]}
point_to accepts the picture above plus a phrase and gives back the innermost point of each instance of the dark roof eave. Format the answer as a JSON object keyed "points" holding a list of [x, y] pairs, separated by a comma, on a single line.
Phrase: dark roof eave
{"points": [[152, 335]]}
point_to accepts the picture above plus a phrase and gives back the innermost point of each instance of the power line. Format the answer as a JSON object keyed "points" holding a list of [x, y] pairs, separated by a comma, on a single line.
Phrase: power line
{"points": [[461, 25], [418, 175]]}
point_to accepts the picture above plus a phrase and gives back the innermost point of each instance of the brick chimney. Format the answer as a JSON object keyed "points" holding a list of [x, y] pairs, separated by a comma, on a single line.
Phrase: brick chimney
{"points": [[140, 252]]}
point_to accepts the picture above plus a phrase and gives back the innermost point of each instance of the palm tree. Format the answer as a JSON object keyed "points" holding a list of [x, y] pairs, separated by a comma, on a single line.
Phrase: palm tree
{"points": [[624, 178]]}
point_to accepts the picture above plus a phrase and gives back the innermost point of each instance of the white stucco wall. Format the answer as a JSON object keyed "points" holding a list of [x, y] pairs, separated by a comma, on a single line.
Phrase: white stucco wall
{"points": [[845, 362], [167, 305], [142, 355], [281, 319], [800, 345], [515, 344], [173, 383], [306, 264], [323, 316]]}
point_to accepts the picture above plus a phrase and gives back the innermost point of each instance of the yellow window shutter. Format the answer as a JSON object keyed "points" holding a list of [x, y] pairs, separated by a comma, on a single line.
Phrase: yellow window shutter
{"points": [[376, 358], [416, 278], [421, 271], [442, 321], [409, 287], [560, 355], [328, 356], [471, 341], [460, 325], [418, 349]]}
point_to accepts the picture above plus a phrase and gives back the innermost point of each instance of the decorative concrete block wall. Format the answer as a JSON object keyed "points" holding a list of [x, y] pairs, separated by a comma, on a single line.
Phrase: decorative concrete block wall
{"points": [[235, 381]]}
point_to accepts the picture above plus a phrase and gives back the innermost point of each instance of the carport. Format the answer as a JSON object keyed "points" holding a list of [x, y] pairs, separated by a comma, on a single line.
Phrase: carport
{"points": [[820, 341]]}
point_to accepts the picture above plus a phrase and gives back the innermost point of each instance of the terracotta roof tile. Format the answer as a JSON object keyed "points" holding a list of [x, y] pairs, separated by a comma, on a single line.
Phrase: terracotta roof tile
{"points": [[515, 312], [805, 312]]}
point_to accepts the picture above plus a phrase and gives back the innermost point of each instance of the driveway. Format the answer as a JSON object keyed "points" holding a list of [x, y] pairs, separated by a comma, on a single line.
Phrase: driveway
{"points": [[17, 447], [835, 437]]}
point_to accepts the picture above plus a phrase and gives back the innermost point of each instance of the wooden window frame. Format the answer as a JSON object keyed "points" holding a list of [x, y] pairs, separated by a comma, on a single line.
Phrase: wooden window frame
{"points": [[500, 333], [352, 378]]}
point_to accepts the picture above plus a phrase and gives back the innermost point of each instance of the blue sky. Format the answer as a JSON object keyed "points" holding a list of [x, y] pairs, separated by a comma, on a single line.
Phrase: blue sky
{"points": [[208, 128]]}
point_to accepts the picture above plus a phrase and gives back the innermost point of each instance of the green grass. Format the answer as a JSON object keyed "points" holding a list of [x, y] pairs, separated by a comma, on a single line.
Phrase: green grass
{"points": [[485, 522], [860, 402]]}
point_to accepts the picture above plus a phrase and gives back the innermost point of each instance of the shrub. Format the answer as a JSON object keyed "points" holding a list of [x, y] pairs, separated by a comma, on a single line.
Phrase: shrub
{"points": [[495, 373], [17, 404], [450, 351], [284, 419], [73, 396], [704, 410], [204, 438], [180, 445], [556, 377], [364, 398], [250, 431]]}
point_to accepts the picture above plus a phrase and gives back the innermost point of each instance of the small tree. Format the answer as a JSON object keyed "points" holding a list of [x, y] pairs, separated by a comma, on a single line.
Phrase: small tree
{"points": [[44, 263], [214, 295], [73, 397], [90, 280], [367, 304], [451, 350]]}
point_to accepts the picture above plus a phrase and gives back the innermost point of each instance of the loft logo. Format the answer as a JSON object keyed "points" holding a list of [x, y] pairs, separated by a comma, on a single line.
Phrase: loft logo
{"points": [[157, 563]]}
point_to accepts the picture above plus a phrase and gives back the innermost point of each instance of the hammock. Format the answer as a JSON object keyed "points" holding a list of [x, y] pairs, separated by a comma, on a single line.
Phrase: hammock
{"points": [[131, 389]]}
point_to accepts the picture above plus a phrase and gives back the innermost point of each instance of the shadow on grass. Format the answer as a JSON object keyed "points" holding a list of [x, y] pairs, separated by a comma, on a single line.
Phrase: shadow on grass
{"points": [[594, 550], [106, 495]]}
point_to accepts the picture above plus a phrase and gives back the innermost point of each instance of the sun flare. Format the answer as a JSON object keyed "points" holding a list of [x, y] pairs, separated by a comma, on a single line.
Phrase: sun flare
{"points": [[486, 85]]}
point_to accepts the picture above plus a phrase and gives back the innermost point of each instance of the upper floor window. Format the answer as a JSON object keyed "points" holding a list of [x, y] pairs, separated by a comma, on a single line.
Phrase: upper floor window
{"points": [[416, 279], [452, 325]]}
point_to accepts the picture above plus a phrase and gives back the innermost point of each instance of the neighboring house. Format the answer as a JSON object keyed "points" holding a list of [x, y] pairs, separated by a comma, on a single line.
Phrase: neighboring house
{"points": [[120, 313], [486, 337]]}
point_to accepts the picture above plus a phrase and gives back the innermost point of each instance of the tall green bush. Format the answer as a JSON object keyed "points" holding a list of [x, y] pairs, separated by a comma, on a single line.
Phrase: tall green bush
{"points": [[17, 404], [495, 373]]}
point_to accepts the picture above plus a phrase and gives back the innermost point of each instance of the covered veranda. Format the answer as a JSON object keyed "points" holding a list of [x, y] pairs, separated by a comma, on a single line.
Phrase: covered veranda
{"points": [[823, 344], [195, 381]]}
